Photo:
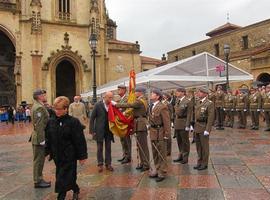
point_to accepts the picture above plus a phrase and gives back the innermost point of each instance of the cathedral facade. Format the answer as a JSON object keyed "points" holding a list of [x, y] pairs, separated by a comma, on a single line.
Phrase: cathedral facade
{"points": [[45, 44]]}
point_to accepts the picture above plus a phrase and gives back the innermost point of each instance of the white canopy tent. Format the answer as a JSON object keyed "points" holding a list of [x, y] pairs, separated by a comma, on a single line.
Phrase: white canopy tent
{"points": [[194, 71]]}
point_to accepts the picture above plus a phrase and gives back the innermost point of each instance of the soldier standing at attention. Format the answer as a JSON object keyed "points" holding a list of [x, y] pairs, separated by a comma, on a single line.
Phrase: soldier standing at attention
{"points": [[183, 115], [126, 140], [255, 105], [140, 108], [266, 107], [160, 129], [241, 108], [167, 100], [40, 118], [219, 107], [229, 107], [204, 117]]}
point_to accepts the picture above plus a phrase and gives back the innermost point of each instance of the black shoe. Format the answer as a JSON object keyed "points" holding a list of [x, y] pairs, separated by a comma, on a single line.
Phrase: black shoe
{"points": [[267, 129], [144, 169], [255, 128], [202, 167], [184, 162], [126, 160], [159, 179], [193, 141], [75, 196], [219, 128], [120, 160], [61, 196], [153, 176], [196, 167], [178, 160], [43, 184], [139, 167]]}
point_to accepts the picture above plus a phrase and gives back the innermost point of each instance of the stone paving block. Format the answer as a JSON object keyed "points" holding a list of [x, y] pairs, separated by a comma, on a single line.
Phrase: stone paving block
{"points": [[126, 180], [246, 194], [248, 181], [113, 193], [188, 170], [226, 161], [155, 194], [200, 194], [265, 181], [198, 181], [232, 170], [169, 182], [261, 170]]}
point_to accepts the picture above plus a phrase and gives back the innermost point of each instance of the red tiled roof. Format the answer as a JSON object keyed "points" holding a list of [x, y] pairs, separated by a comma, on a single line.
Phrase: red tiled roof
{"points": [[223, 29], [154, 61]]}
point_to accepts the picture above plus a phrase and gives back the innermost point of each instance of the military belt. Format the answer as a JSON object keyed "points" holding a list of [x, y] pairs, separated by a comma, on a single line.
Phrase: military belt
{"points": [[156, 126], [136, 117]]}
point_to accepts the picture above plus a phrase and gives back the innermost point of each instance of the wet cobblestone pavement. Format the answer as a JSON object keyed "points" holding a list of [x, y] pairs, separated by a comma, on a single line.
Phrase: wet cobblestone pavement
{"points": [[239, 169]]}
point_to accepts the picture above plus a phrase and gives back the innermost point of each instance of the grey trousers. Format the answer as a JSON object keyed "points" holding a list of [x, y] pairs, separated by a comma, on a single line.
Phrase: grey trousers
{"points": [[108, 153]]}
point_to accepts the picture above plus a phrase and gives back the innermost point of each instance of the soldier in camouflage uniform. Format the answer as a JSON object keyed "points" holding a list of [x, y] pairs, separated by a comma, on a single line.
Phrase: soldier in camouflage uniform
{"points": [[40, 118]]}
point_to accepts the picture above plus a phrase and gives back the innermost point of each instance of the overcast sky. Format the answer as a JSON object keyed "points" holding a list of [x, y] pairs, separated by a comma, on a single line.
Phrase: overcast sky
{"points": [[163, 25]]}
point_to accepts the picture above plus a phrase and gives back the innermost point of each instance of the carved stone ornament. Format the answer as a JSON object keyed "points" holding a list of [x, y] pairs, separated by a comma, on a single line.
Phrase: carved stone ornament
{"points": [[65, 51], [94, 6]]}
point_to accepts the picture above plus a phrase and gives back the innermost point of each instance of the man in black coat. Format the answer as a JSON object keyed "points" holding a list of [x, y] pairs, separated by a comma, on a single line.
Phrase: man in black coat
{"points": [[99, 128]]}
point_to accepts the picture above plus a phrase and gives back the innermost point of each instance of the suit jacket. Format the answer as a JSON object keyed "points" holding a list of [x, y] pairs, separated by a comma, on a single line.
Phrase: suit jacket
{"points": [[77, 110], [160, 117], [140, 108], [204, 116], [183, 113], [241, 102], [255, 101], [99, 123], [229, 102], [40, 117], [266, 101]]}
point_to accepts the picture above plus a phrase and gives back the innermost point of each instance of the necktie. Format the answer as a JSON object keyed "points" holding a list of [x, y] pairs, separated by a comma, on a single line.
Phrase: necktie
{"points": [[151, 107]]}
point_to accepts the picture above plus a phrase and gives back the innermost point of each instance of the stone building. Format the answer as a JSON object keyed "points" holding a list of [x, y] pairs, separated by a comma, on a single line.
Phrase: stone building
{"points": [[249, 48], [44, 44]]}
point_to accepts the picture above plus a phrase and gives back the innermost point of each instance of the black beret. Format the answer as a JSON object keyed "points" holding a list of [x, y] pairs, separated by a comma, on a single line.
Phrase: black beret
{"points": [[180, 89], [157, 92], [122, 86], [204, 90], [140, 89], [38, 92]]}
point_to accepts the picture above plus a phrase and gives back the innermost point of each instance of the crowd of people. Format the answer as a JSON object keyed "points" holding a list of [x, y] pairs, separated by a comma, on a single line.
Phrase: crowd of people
{"points": [[10, 114], [59, 129]]}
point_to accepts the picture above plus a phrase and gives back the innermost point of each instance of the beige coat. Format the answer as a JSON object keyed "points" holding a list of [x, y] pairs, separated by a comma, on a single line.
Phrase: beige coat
{"points": [[78, 111]]}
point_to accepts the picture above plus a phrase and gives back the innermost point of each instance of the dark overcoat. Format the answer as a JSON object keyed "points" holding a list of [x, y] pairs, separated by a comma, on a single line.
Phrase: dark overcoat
{"points": [[65, 143], [99, 123]]}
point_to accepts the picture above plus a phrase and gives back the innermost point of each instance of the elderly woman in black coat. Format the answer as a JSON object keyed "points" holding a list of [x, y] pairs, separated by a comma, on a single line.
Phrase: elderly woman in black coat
{"points": [[65, 143]]}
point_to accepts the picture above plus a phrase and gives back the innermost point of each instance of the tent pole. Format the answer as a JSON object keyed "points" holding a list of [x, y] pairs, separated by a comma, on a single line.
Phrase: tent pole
{"points": [[207, 72]]}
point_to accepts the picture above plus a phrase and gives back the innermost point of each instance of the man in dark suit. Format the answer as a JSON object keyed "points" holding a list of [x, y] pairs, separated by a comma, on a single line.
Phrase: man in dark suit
{"points": [[99, 128]]}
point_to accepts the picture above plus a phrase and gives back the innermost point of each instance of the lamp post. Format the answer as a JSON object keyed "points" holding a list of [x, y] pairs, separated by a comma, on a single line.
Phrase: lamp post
{"points": [[93, 45], [227, 53]]}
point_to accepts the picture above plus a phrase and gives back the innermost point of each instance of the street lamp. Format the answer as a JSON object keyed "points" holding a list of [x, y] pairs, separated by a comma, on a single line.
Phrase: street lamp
{"points": [[93, 45], [227, 53]]}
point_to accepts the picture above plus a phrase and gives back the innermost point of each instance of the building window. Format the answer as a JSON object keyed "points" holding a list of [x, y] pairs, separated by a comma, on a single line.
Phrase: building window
{"points": [[176, 58], [245, 42], [64, 9], [216, 49], [193, 52]]}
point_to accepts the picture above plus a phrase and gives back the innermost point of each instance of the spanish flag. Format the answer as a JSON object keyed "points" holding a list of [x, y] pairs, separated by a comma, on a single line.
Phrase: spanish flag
{"points": [[121, 124]]}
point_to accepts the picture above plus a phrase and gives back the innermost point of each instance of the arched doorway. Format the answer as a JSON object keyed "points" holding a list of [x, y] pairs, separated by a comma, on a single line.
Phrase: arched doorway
{"points": [[264, 78], [65, 80], [7, 77]]}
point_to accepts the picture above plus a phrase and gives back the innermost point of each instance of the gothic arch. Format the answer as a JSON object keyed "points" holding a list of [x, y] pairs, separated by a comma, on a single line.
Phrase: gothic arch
{"points": [[264, 78], [9, 34], [61, 55]]}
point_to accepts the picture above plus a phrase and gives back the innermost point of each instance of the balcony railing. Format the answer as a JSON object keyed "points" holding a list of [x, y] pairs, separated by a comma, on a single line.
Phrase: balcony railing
{"points": [[8, 5]]}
